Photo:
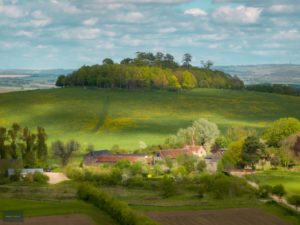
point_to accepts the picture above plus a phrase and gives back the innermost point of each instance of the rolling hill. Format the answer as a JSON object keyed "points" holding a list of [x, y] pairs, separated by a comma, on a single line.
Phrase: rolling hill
{"points": [[106, 118]]}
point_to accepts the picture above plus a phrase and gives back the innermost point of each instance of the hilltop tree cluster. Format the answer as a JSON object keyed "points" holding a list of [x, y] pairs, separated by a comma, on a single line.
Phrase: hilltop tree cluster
{"points": [[21, 143], [149, 71]]}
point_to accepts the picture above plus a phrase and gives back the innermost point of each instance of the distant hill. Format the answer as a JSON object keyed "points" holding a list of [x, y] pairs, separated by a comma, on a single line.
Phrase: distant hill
{"points": [[35, 72], [22, 79], [272, 73]]}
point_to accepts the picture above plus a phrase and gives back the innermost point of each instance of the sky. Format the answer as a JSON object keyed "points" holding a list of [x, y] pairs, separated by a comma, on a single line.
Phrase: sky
{"points": [[45, 34]]}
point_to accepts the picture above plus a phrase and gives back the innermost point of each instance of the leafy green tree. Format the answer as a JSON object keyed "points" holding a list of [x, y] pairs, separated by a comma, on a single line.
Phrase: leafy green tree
{"points": [[252, 150], [107, 61], [168, 187], [126, 61], [222, 142], [291, 147], [232, 158], [279, 190], [41, 145], [64, 151], [173, 83], [281, 129], [186, 60], [61, 81], [3, 147], [28, 148], [205, 132], [14, 134], [189, 81], [294, 200], [207, 65]]}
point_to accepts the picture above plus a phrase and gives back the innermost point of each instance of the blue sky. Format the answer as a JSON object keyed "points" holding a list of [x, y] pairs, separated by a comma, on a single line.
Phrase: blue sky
{"points": [[43, 34]]}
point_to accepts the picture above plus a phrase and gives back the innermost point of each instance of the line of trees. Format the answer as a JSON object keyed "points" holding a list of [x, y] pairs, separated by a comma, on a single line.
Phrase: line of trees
{"points": [[21, 143], [150, 71], [274, 88]]}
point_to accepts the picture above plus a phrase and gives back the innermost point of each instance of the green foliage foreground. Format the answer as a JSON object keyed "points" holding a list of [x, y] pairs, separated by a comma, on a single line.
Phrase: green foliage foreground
{"points": [[118, 210]]}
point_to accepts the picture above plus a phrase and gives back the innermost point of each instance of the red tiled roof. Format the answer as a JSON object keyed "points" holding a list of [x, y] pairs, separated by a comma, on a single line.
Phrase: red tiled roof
{"points": [[116, 158], [174, 153]]}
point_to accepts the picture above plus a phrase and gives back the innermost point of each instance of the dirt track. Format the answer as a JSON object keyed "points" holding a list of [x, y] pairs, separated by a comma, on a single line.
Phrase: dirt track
{"points": [[54, 220], [217, 217], [55, 178]]}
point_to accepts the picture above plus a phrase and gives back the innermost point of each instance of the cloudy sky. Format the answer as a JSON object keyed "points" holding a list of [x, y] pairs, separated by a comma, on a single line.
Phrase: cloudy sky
{"points": [[44, 34]]}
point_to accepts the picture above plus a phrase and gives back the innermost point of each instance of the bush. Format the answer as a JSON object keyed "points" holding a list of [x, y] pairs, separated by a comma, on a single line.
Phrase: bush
{"points": [[168, 187], [201, 191], [40, 178], [118, 210], [15, 177], [278, 190], [221, 186], [28, 178], [264, 191], [294, 200]]}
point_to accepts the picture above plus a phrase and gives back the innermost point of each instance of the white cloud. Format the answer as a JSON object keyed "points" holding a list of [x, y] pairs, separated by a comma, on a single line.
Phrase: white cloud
{"points": [[90, 22], [282, 8], [128, 40], [65, 6], [167, 30], [108, 45], [81, 33], [195, 12], [238, 15], [24, 33], [11, 11], [212, 37], [39, 20], [288, 35], [214, 46], [132, 17]]}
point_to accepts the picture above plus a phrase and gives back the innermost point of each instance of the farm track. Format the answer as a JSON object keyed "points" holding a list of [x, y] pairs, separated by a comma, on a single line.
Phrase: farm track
{"points": [[247, 216], [103, 114], [281, 201]]}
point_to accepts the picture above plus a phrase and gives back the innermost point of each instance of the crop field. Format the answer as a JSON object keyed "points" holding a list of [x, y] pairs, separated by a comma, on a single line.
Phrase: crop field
{"points": [[290, 179], [105, 118], [212, 217]]}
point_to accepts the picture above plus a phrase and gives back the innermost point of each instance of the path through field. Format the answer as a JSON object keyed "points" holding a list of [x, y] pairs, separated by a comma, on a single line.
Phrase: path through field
{"points": [[103, 114], [275, 198], [217, 217], [54, 220]]}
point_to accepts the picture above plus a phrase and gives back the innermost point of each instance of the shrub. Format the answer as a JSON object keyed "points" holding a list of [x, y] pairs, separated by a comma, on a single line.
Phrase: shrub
{"points": [[294, 200], [118, 210], [221, 186], [264, 191], [28, 178], [40, 178], [278, 190], [201, 191], [168, 187]]}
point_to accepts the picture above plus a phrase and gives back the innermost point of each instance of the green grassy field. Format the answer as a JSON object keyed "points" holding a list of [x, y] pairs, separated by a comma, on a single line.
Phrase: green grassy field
{"points": [[106, 118], [32, 208], [290, 179]]}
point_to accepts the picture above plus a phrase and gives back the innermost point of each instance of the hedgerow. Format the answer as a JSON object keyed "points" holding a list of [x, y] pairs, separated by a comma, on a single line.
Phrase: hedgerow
{"points": [[118, 210]]}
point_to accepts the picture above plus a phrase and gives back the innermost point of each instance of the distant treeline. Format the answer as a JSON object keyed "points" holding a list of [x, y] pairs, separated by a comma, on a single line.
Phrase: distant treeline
{"points": [[274, 88], [149, 71]]}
